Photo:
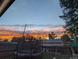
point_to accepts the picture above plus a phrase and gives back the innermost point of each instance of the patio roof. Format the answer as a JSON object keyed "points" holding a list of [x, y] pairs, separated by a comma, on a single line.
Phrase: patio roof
{"points": [[4, 5]]}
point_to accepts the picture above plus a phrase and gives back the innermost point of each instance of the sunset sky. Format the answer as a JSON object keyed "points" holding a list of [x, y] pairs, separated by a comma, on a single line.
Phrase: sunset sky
{"points": [[33, 12], [8, 32], [33, 28]]}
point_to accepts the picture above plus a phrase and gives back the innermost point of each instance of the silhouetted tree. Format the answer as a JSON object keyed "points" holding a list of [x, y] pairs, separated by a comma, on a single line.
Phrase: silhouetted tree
{"points": [[18, 39], [70, 14], [14, 39], [6, 40], [52, 35], [65, 37]]}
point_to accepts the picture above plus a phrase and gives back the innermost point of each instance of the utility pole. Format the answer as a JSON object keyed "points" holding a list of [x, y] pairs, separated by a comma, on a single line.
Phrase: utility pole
{"points": [[20, 43], [24, 31]]}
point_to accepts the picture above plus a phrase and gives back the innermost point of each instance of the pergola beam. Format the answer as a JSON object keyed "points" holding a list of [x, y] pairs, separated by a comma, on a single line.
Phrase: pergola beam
{"points": [[4, 5]]}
